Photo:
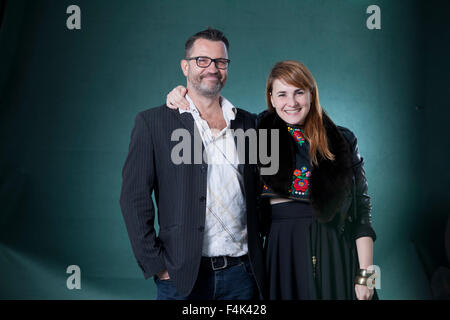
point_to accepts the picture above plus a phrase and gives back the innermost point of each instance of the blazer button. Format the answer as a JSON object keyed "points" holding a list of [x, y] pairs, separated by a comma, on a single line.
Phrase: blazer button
{"points": [[203, 169], [201, 228], [202, 198]]}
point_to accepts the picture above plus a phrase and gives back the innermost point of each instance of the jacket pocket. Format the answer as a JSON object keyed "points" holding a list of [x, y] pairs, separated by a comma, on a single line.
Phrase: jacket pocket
{"points": [[168, 228]]}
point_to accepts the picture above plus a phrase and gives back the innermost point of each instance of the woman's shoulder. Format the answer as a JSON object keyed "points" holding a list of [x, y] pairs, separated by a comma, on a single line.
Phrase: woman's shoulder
{"points": [[264, 120], [350, 137], [347, 134]]}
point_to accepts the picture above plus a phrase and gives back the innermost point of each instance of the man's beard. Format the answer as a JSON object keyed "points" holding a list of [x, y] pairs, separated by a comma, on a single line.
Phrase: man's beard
{"points": [[205, 90]]}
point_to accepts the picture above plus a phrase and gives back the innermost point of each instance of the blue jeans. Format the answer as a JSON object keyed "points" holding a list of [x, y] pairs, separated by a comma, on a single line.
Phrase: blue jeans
{"points": [[233, 283]]}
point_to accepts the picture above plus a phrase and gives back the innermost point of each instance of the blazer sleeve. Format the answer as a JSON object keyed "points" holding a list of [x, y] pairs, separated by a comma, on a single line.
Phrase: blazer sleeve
{"points": [[362, 226], [136, 199]]}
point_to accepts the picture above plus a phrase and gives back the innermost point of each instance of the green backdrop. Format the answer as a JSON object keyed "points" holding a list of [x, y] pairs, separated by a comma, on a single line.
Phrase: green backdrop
{"points": [[68, 99]]}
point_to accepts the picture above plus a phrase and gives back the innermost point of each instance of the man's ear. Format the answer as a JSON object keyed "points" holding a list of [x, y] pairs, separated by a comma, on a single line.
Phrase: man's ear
{"points": [[184, 67]]}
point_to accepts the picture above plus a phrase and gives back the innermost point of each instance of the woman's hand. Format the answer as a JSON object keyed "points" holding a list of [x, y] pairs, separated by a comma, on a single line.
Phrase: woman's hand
{"points": [[363, 292], [176, 98]]}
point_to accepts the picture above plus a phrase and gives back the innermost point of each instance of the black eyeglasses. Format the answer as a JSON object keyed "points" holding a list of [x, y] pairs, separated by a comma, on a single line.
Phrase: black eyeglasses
{"points": [[205, 62]]}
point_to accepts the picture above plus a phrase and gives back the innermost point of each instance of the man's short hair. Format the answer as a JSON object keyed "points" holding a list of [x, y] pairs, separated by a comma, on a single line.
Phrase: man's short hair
{"points": [[208, 34]]}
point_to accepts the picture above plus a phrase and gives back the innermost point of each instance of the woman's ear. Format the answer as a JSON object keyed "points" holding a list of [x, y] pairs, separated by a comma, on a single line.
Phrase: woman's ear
{"points": [[271, 99]]}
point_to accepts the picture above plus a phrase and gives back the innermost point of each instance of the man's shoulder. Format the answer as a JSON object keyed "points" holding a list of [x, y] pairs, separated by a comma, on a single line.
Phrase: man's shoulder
{"points": [[152, 112], [157, 114]]}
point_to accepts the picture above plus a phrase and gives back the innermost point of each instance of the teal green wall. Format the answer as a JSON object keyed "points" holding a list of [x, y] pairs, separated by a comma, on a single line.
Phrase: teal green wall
{"points": [[68, 101]]}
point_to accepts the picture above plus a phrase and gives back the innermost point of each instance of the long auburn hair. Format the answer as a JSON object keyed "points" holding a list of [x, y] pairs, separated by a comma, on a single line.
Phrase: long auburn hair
{"points": [[296, 74]]}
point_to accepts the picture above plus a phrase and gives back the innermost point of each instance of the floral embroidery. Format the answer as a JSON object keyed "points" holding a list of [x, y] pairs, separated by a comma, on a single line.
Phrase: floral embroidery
{"points": [[300, 185], [300, 177], [300, 182], [297, 133]]}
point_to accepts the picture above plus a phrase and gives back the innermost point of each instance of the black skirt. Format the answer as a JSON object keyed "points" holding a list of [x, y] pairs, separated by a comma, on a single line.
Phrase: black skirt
{"points": [[306, 259]]}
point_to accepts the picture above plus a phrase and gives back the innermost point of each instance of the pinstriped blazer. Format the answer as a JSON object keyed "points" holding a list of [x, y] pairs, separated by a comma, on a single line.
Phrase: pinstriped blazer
{"points": [[180, 194]]}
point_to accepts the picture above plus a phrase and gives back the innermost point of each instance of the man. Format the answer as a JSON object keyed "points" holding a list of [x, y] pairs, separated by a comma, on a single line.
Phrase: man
{"points": [[209, 244]]}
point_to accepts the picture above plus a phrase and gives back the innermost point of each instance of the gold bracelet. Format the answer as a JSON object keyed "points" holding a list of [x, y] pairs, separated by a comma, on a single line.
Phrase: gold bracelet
{"points": [[361, 280], [365, 273]]}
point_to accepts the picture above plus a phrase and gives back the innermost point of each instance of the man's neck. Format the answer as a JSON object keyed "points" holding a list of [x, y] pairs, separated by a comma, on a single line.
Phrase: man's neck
{"points": [[206, 106]]}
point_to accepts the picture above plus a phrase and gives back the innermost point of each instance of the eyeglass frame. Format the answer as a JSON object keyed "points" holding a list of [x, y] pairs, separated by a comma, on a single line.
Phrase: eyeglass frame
{"points": [[211, 61]]}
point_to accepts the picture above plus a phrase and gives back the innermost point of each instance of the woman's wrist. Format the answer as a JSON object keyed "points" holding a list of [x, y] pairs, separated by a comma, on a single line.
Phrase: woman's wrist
{"points": [[363, 276]]}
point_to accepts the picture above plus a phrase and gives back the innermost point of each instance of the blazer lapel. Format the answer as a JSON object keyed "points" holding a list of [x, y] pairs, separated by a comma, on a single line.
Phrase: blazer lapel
{"points": [[238, 123], [187, 120], [188, 123]]}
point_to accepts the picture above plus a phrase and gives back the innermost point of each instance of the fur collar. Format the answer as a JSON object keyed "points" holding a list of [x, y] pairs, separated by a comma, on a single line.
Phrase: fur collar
{"points": [[330, 182]]}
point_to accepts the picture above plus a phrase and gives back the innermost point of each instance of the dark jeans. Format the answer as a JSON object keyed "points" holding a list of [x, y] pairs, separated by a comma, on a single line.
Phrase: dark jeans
{"points": [[233, 283]]}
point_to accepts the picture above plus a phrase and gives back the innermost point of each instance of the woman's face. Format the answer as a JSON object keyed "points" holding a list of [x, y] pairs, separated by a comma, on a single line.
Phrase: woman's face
{"points": [[292, 104]]}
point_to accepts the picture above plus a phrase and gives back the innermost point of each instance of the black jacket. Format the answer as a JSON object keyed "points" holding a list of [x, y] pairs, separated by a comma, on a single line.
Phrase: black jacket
{"points": [[338, 189], [180, 194]]}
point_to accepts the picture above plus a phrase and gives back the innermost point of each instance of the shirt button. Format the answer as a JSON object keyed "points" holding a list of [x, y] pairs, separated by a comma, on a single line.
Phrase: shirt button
{"points": [[202, 198]]}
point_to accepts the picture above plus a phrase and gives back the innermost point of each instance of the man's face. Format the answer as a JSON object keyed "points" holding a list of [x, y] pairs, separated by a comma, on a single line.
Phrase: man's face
{"points": [[206, 81]]}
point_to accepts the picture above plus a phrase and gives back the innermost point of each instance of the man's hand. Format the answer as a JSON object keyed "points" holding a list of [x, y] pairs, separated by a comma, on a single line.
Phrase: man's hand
{"points": [[363, 292], [163, 275], [176, 98]]}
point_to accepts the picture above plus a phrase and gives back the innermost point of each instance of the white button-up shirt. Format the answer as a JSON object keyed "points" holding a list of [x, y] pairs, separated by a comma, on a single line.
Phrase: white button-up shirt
{"points": [[226, 219]]}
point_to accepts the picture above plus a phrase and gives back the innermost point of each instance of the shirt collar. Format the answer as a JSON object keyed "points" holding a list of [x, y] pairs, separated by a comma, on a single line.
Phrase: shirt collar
{"points": [[229, 111]]}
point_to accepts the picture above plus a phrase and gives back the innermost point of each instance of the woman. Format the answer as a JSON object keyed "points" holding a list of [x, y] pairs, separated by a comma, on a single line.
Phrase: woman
{"points": [[319, 243]]}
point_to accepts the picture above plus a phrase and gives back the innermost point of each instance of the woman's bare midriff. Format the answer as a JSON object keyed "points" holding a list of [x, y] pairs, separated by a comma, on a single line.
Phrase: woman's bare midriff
{"points": [[279, 200]]}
